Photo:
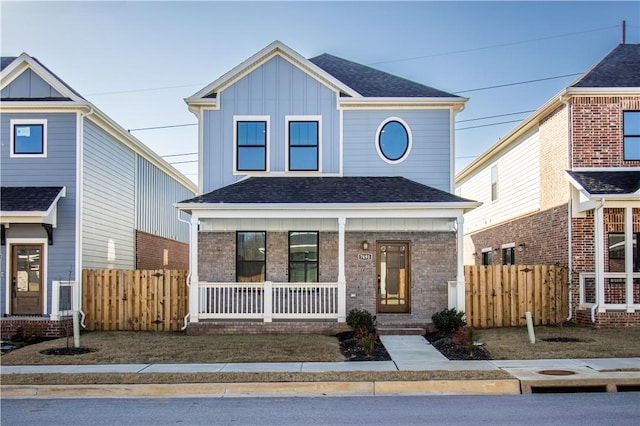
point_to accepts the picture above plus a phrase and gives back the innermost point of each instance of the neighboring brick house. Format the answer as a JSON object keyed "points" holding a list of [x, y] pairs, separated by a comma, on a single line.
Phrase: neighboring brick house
{"points": [[326, 187], [564, 187], [78, 192]]}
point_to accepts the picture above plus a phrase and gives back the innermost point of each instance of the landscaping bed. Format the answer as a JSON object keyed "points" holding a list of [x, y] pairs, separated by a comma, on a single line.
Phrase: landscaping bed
{"points": [[353, 350]]}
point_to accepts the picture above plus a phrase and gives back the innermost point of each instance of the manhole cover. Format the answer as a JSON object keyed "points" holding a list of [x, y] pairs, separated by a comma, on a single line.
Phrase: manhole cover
{"points": [[557, 372]]}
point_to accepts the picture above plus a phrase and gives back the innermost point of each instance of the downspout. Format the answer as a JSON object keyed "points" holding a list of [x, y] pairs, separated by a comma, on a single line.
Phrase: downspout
{"points": [[186, 317], [80, 212], [597, 297], [569, 208]]}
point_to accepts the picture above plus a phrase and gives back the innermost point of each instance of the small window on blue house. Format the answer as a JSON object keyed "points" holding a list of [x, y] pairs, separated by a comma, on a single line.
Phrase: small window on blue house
{"points": [[631, 135], [303, 145], [28, 138], [251, 145], [393, 140]]}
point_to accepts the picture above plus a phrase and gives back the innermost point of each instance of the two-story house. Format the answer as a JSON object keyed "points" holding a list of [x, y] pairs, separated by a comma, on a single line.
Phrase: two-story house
{"points": [[326, 186], [564, 187], [78, 192]]}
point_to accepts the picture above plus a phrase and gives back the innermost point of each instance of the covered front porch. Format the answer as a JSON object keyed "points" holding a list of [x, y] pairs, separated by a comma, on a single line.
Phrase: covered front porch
{"points": [[396, 258]]}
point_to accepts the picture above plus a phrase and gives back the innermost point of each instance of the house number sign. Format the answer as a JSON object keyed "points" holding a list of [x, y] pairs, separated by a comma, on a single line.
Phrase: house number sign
{"points": [[365, 256]]}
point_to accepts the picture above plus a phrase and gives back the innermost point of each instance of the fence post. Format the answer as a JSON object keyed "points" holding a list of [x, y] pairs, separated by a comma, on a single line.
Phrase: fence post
{"points": [[268, 301]]}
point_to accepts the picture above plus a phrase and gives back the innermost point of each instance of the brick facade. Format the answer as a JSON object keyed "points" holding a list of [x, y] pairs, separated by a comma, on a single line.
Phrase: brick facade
{"points": [[433, 263], [153, 252], [544, 235], [26, 328]]}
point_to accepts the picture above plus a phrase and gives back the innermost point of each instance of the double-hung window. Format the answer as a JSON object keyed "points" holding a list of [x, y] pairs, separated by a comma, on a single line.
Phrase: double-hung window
{"points": [[617, 252], [251, 136], [303, 137], [303, 257], [631, 124], [251, 256], [28, 138], [494, 183], [509, 256]]}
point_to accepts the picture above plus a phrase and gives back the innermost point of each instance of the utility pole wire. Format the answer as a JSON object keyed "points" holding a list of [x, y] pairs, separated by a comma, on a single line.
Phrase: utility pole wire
{"points": [[519, 82]]}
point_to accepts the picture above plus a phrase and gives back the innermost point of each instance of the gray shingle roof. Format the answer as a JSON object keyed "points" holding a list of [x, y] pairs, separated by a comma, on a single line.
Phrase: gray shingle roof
{"points": [[28, 198], [620, 68], [326, 190], [5, 61], [609, 182], [370, 82]]}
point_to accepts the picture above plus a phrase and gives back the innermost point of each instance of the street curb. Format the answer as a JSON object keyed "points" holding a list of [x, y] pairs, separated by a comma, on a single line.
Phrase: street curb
{"points": [[279, 389]]}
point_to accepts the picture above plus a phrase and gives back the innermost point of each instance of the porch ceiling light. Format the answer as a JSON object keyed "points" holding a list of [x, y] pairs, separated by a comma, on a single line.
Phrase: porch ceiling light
{"points": [[365, 245], [521, 246]]}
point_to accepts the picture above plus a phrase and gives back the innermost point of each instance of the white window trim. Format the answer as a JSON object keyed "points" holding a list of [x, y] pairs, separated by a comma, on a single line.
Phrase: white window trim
{"points": [[10, 242], [508, 245], [409, 136], [289, 118], [267, 120], [23, 121], [487, 249]]}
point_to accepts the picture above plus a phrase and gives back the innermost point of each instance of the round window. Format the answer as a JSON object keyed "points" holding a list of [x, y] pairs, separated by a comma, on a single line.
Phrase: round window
{"points": [[394, 141]]}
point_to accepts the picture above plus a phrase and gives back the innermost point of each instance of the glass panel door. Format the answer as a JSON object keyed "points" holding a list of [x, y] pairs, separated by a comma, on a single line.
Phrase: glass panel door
{"points": [[26, 276], [394, 284]]}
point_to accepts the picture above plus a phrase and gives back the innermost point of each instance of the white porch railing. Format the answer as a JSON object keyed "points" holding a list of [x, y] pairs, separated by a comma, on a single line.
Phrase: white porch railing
{"points": [[268, 301], [62, 303], [616, 294]]}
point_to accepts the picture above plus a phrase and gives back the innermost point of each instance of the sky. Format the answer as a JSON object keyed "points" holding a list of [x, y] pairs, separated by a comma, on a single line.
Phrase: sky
{"points": [[137, 61]]}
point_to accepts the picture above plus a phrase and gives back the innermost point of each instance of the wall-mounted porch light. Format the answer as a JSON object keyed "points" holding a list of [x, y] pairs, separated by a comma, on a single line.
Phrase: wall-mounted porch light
{"points": [[521, 246], [365, 245]]}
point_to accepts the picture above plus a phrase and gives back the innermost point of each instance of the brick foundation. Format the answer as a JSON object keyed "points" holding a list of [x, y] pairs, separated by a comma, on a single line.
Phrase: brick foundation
{"points": [[258, 327], [151, 254], [21, 328], [607, 319]]}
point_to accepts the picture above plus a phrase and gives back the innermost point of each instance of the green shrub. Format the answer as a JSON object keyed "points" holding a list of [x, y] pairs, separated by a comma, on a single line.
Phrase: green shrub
{"points": [[361, 319], [448, 321]]}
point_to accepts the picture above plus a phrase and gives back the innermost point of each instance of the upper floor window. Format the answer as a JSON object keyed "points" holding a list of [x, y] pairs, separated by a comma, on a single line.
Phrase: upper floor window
{"points": [[631, 124], [304, 143], [251, 256], [393, 140], [251, 143], [28, 138], [303, 257], [494, 183]]}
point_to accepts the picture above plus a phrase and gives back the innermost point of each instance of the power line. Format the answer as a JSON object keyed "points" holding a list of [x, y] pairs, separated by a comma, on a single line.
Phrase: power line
{"points": [[162, 127], [495, 116], [492, 46], [178, 155], [488, 125], [184, 162], [518, 82]]}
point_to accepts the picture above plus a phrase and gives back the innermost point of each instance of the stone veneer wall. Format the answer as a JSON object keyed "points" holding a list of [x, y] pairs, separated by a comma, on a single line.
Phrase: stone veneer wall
{"points": [[433, 263]]}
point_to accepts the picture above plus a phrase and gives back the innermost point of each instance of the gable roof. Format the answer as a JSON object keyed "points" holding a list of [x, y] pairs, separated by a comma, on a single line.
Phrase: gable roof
{"points": [[607, 182], [370, 82], [5, 61], [354, 82], [29, 198], [327, 190], [620, 68]]}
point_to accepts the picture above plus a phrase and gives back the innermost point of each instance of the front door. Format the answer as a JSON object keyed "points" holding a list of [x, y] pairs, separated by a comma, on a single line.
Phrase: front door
{"points": [[26, 279], [394, 278]]}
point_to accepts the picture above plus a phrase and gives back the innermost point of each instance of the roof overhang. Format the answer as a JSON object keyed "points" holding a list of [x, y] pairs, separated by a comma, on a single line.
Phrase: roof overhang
{"points": [[457, 103], [587, 200], [48, 216]]}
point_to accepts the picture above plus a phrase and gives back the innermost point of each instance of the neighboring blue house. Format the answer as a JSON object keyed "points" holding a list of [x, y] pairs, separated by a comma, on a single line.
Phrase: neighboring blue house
{"points": [[78, 191], [326, 187]]}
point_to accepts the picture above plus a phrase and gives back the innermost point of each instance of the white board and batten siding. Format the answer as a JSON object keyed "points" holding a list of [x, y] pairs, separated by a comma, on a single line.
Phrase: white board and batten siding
{"points": [[518, 171], [109, 214]]}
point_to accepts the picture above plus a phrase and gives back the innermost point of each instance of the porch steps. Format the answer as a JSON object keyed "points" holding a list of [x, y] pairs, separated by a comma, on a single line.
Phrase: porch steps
{"points": [[400, 331]]}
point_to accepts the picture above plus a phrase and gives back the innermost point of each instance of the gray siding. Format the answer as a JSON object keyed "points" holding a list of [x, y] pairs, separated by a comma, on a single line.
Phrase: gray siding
{"points": [[29, 85], [276, 89], [156, 194], [57, 169], [429, 159], [109, 201]]}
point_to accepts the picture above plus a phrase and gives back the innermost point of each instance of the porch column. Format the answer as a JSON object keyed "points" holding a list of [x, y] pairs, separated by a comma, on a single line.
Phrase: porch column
{"points": [[598, 222], [342, 281], [194, 293], [628, 256], [460, 286]]}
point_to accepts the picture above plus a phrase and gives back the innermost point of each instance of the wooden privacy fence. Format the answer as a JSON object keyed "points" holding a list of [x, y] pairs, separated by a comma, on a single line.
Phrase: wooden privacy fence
{"points": [[499, 296], [115, 299]]}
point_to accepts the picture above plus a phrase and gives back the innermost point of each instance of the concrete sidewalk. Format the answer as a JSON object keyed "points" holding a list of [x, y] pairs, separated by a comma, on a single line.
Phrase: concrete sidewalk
{"points": [[408, 353]]}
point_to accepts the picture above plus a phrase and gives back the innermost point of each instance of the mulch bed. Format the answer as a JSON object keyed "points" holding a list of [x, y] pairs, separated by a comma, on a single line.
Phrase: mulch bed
{"points": [[455, 352], [67, 351], [353, 351]]}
